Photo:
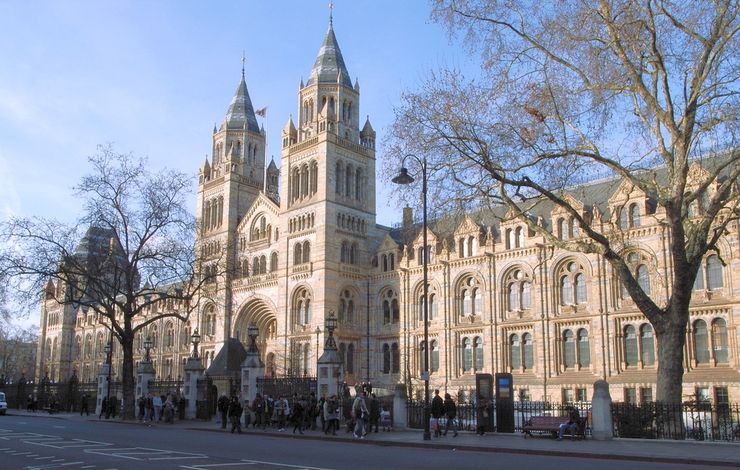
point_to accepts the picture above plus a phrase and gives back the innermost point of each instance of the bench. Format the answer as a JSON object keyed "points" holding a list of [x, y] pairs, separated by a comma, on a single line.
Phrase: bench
{"points": [[551, 424]]}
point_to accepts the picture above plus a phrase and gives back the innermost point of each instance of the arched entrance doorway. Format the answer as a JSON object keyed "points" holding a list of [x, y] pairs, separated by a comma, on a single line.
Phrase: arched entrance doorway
{"points": [[260, 312]]}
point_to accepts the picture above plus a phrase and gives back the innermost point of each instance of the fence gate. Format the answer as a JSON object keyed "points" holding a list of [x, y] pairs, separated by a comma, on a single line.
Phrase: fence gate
{"points": [[286, 386]]}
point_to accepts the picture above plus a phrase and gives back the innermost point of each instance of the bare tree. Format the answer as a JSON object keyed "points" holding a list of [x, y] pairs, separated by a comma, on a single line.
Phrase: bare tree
{"points": [[135, 264], [640, 90], [17, 351]]}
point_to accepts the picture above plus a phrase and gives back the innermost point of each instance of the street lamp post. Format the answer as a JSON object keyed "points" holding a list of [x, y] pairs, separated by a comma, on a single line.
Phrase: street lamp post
{"points": [[403, 177], [109, 352], [195, 339], [318, 332]]}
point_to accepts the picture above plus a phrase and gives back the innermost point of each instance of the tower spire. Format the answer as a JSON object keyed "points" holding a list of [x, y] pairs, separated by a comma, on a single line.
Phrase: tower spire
{"points": [[331, 14], [244, 61]]}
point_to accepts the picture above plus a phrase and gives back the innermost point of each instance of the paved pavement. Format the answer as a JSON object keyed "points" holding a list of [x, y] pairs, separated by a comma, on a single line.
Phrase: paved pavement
{"points": [[723, 454]]}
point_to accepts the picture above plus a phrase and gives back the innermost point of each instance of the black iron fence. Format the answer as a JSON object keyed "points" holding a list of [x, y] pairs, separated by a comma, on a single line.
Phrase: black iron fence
{"points": [[286, 386], [687, 421], [467, 415], [47, 395]]}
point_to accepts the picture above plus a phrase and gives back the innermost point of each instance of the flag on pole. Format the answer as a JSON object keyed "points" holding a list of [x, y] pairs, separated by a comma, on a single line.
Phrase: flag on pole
{"points": [[261, 112]]}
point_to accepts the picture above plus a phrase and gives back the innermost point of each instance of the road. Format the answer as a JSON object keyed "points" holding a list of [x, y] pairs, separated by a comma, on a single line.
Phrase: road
{"points": [[41, 443]]}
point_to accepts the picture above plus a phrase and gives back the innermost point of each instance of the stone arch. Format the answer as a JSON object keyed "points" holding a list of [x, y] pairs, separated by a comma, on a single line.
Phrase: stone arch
{"points": [[262, 312]]}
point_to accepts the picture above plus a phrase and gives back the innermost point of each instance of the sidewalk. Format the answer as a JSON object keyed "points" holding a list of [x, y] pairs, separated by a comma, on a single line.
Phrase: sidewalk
{"points": [[722, 454]]}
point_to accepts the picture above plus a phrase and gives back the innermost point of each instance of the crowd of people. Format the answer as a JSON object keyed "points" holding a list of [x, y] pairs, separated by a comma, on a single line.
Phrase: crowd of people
{"points": [[363, 414]]}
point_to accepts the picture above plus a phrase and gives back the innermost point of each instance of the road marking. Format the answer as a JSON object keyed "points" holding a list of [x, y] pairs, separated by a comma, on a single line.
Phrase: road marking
{"points": [[250, 462], [60, 427], [44, 458], [88, 466]]}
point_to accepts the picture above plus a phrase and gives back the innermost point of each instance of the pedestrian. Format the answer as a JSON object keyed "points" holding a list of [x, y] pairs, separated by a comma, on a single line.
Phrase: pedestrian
{"points": [[104, 408], [312, 412], [437, 411], [234, 411], [280, 412], [113, 407], [331, 415], [360, 412], [141, 404], [450, 411], [258, 408], [297, 417], [84, 405], [223, 409], [169, 410], [149, 413], [158, 403], [374, 412], [385, 419], [481, 415], [320, 410]]}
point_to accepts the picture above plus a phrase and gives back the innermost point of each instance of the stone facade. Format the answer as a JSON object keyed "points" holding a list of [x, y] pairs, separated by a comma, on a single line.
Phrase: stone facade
{"points": [[285, 252]]}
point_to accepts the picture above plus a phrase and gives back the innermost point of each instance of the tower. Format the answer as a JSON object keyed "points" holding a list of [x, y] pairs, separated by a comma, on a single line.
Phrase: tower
{"points": [[328, 169], [228, 185]]}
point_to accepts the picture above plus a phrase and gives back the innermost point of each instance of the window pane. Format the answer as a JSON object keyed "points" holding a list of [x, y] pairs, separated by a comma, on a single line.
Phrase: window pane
{"points": [[386, 359], [526, 297], [528, 351], [584, 351], [513, 305], [569, 349], [634, 216], [699, 281], [514, 352], [714, 273], [701, 342], [478, 354], [394, 308], [566, 291], [643, 279], [435, 357], [630, 346], [395, 358], [646, 343], [432, 307], [580, 289], [719, 340], [467, 355], [386, 312]]}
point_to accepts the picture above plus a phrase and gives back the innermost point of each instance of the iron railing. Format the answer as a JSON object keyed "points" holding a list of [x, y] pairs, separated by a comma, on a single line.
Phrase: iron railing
{"points": [[701, 421]]}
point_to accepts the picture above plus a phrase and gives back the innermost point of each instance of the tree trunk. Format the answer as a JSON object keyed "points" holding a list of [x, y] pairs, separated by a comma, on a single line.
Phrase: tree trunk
{"points": [[671, 340], [128, 382]]}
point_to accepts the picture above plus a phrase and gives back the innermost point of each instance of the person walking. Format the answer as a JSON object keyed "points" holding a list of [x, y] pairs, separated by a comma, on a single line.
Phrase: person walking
{"points": [[280, 410], [84, 405], [223, 408], [234, 411], [157, 402], [298, 415], [450, 411], [149, 411], [374, 413], [481, 415], [437, 411], [360, 412], [169, 410], [112, 407], [141, 404], [104, 409], [331, 415]]}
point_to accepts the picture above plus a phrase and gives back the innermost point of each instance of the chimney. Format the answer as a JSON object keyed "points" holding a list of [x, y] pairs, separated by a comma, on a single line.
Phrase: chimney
{"points": [[408, 217]]}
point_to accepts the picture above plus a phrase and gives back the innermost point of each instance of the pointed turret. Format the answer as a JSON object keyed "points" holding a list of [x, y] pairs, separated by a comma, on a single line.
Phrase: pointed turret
{"points": [[272, 181], [241, 111], [290, 134], [367, 135], [329, 66], [357, 85]]}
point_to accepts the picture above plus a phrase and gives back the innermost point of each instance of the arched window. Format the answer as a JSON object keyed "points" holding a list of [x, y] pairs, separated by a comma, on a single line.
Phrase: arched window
{"points": [[339, 178], [263, 264], [566, 291], [78, 347], [520, 237], [358, 184], [470, 297], [643, 278], [478, 352], [273, 262], [701, 342], [630, 346], [169, 335], [646, 345], [386, 359], [350, 359], [467, 359], [386, 311], [634, 216], [422, 356], [623, 218], [562, 229], [348, 176], [580, 282], [88, 346], [515, 352], [714, 273], [298, 253], [385, 263], [395, 311], [719, 340], [584, 351], [306, 251], [569, 349], [344, 253], [510, 239], [395, 358], [573, 228], [346, 307], [434, 360], [528, 351], [432, 306], [313, 177], [518, 290], [353, 255]]}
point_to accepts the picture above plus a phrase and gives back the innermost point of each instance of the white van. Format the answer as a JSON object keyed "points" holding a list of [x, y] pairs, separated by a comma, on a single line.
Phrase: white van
{"points": [[3, 404]]}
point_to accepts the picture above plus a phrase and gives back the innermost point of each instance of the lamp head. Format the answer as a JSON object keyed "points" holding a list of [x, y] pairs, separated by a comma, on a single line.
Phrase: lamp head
{"points": [[195, 337], [403, 177]]}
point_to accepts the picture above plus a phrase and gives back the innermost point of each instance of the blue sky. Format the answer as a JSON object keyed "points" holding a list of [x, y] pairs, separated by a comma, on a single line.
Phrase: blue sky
{"points": [[154, 76]]}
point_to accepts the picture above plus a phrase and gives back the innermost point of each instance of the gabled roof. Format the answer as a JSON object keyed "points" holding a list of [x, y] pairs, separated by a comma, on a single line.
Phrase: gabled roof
{"points": [[229, 359], [329, 66]]}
